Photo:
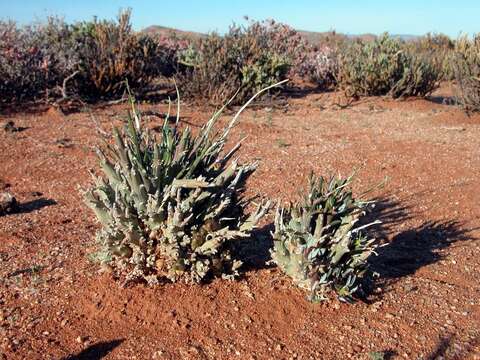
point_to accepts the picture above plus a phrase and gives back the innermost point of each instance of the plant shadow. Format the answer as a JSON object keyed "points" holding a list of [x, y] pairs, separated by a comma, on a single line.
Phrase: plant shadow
{"points": [[96, 351], [403, 252], [415, 248], [443, 100], [255, 252], [33, 205], [390, 212], [447, 349]]}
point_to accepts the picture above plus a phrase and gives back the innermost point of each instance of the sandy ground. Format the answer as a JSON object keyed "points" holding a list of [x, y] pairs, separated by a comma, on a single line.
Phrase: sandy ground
{"points": [[424, 304]]}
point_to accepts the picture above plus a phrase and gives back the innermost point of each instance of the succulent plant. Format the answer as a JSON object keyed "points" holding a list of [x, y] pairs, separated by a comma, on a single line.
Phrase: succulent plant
{"points": [[8, 203], [171, 208], [318, 243]]}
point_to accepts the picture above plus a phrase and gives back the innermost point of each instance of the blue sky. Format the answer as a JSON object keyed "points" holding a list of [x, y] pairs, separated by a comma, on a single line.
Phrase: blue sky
{"points": [[348, 16]]}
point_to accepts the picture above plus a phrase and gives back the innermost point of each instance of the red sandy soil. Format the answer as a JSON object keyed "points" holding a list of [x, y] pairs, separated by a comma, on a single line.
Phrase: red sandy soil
{"points": [[55, 303]]}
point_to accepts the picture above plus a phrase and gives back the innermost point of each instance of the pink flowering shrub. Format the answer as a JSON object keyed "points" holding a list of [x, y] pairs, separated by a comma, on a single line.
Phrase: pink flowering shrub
{"points": [[321, 67]]}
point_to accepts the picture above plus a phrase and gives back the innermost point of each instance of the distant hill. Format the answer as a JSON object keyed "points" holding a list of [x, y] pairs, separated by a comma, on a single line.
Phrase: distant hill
{"points": [[312, 36], [163, 30]]}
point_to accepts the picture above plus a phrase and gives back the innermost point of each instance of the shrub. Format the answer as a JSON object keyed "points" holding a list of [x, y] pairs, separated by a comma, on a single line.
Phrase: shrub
{"points": [[171, 208], [110, 53], [465, 63], [246, 59], [385, 67], [437, 48], [30, 64], [90, 59], [321, 67], [317, 241], [420, 77], [282, 40], [168, 50]]}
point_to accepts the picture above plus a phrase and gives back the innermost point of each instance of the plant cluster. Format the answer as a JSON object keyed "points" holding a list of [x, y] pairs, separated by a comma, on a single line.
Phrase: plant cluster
{"points": [[465, 63], [385, 67], [318, 243], [33, 59], [170, 208], [246, 59], [91, 59], [437, 48], [321, 67]]}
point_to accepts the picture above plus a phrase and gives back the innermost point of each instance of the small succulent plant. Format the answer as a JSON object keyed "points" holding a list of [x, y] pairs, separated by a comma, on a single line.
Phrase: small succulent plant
{"points": [[171, 208], [318, 243]]}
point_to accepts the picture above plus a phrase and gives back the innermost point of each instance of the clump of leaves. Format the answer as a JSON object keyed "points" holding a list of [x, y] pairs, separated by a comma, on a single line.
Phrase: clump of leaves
{"points": [[170, 208], [318, 243]]}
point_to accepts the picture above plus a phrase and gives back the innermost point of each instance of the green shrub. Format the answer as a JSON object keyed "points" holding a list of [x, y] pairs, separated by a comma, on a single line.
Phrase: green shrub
{"points": [[420, 77], [171, 208], [244, 60], [385, 67], [465, 63], [437, 48], [317, 241]]}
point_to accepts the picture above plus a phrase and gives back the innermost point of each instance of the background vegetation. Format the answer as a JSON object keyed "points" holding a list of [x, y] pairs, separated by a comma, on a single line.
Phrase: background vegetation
{"points": [[90, 61]]}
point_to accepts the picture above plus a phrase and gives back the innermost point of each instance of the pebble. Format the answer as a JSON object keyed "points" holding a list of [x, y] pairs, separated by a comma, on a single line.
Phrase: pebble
{"points": [[8, 203], [80, 339]]}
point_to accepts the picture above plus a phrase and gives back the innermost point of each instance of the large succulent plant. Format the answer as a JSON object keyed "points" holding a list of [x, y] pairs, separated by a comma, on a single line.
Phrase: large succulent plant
{"points": [[170, 208], [317, 241]]}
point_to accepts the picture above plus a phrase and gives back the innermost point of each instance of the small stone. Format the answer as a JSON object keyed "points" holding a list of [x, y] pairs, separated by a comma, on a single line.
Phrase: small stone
{"points": [[158, 354], [81, 339], [8, 203], [10, 127]]}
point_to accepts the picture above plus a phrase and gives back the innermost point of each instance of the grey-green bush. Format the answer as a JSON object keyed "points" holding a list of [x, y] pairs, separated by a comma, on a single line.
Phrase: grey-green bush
{"points": [[318, 243], [465, 63], [171, 207], [385, 67]]}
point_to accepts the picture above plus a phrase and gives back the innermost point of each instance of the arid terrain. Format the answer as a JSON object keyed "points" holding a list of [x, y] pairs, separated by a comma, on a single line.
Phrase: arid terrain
{"points": [[424, 303]]}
